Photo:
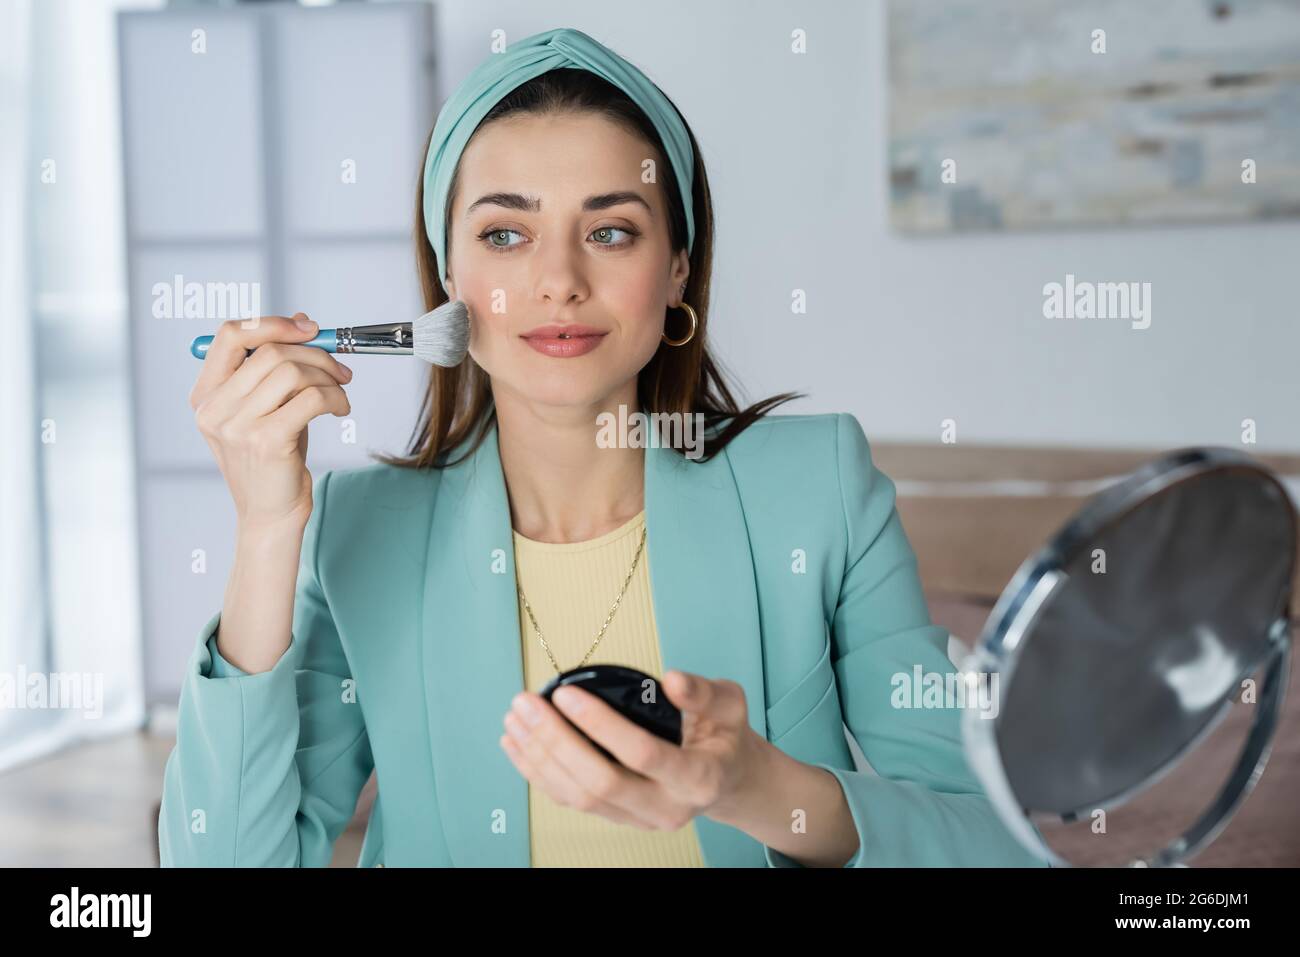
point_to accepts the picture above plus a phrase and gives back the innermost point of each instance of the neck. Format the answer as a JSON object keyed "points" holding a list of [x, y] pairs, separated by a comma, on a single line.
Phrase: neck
{"points": [[562, 486]]}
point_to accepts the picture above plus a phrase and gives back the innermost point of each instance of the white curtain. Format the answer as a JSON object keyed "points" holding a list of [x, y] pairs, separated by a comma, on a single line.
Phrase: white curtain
{"points": [[69, 598], [24, 645]]}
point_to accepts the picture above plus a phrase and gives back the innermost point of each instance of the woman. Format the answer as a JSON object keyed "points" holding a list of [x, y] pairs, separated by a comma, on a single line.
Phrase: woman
{"points": [[402, 617]]}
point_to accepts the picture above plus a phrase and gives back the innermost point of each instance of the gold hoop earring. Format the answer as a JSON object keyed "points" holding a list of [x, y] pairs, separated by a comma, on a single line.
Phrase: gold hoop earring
{"points": [[695, 324]]}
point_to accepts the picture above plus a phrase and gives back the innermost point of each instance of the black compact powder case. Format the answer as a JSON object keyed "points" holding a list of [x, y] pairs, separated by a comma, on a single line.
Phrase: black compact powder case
{"points": [[623, 690]]}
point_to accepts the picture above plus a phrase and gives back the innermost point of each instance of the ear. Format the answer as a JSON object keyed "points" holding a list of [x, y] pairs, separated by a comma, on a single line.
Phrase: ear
{"points": [[680, 272]]}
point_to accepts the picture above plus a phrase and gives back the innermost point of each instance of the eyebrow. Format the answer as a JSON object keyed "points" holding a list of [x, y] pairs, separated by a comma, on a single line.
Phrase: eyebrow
{"points": [[531, 204]]}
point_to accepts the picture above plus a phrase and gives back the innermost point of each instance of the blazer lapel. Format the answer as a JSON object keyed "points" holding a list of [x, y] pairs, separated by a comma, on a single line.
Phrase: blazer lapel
{"points": [[705, 600], [473, 664], [706, 613]]}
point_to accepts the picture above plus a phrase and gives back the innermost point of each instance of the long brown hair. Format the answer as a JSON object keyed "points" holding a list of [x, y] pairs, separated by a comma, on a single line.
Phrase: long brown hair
{"points": [[458, 406]]}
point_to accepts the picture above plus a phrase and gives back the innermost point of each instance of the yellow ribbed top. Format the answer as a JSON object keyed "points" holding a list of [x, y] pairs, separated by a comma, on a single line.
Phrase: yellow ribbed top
{"points": [[571, 587]]}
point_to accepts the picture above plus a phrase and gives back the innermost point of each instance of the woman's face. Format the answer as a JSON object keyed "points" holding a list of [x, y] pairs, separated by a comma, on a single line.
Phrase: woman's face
{"points": [[551, 223]]}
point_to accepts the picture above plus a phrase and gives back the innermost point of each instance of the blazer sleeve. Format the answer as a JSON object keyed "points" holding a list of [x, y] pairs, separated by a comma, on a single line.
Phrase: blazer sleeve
{"points": [[267, 767], [923, 806]]}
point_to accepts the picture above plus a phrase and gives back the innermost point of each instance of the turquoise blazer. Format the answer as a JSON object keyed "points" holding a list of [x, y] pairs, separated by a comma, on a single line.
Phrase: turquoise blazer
{"points": [[780, 563]]}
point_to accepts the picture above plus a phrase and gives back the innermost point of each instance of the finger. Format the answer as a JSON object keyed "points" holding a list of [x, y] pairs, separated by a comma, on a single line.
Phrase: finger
{"points": [[721, 701], [607, 780], [555, 779], [291, 418], [269, 356], [536, 778], [227, 400], [230, 345], [636, 748], [560, 783], [285, 381]]}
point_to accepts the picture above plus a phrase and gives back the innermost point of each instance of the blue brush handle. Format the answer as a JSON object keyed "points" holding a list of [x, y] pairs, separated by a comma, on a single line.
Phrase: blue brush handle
{"points": [[324, 340]]}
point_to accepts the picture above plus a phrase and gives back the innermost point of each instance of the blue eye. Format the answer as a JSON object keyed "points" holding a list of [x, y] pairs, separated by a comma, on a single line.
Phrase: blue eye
{"points": [[487, 238], [605, 236], [612, 229]]}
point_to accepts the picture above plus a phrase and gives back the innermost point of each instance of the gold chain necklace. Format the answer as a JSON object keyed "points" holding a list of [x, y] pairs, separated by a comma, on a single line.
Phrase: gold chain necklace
{"points": [[608, 618]]}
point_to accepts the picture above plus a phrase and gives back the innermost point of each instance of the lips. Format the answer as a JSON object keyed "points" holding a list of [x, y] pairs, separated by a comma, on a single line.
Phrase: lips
{"points": [[563, 330], [564, 341]]}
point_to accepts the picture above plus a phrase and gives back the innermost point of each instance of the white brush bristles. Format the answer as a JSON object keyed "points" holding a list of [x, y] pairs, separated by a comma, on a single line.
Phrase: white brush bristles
{"points": [[441, 337]]}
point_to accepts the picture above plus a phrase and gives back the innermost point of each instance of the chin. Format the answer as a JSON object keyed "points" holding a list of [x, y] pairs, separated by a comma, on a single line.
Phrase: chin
{"points": [[561, 389]]}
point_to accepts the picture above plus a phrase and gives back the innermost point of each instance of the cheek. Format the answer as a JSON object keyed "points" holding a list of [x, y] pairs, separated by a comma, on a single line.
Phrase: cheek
{"points": [[638, 301], [487, 329], [488, 298], [477, 275]]}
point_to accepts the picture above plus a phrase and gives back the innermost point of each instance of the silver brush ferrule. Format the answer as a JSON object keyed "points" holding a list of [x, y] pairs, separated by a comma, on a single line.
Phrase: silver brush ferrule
{"points": [[388, 338]]}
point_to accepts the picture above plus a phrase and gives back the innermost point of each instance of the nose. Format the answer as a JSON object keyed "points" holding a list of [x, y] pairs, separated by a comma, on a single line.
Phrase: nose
{"points": [[558, 277]]}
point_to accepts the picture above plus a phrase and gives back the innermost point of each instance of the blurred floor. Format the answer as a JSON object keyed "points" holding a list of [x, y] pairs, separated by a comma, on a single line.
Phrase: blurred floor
{"points": [[93, 805], [88, 806]]}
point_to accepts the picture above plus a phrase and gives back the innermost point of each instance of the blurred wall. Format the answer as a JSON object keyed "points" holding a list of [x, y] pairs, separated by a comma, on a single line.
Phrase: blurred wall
{"points": [[907, 332]]}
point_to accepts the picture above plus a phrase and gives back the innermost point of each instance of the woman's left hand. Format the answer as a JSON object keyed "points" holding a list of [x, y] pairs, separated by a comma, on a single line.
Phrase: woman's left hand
{"points": [[659, 786]]}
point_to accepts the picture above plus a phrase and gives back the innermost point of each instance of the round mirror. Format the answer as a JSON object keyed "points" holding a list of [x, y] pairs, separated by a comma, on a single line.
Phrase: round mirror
{"points": [[1124, 641]]}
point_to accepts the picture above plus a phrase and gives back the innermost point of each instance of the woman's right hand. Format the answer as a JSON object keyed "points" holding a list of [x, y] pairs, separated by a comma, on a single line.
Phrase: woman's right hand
{"points": [[253, 411]]}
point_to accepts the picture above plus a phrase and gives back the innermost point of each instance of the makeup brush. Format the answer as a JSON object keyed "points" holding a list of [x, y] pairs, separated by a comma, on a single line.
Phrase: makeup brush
{"points": [[440, 337]]}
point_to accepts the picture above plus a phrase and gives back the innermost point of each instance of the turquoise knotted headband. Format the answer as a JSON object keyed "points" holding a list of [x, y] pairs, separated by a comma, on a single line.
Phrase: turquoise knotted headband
{"points": [[502, 72]]}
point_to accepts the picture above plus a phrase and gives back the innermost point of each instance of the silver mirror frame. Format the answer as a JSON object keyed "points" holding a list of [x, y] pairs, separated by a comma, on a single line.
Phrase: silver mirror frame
{"points": [[1038, 579]]}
